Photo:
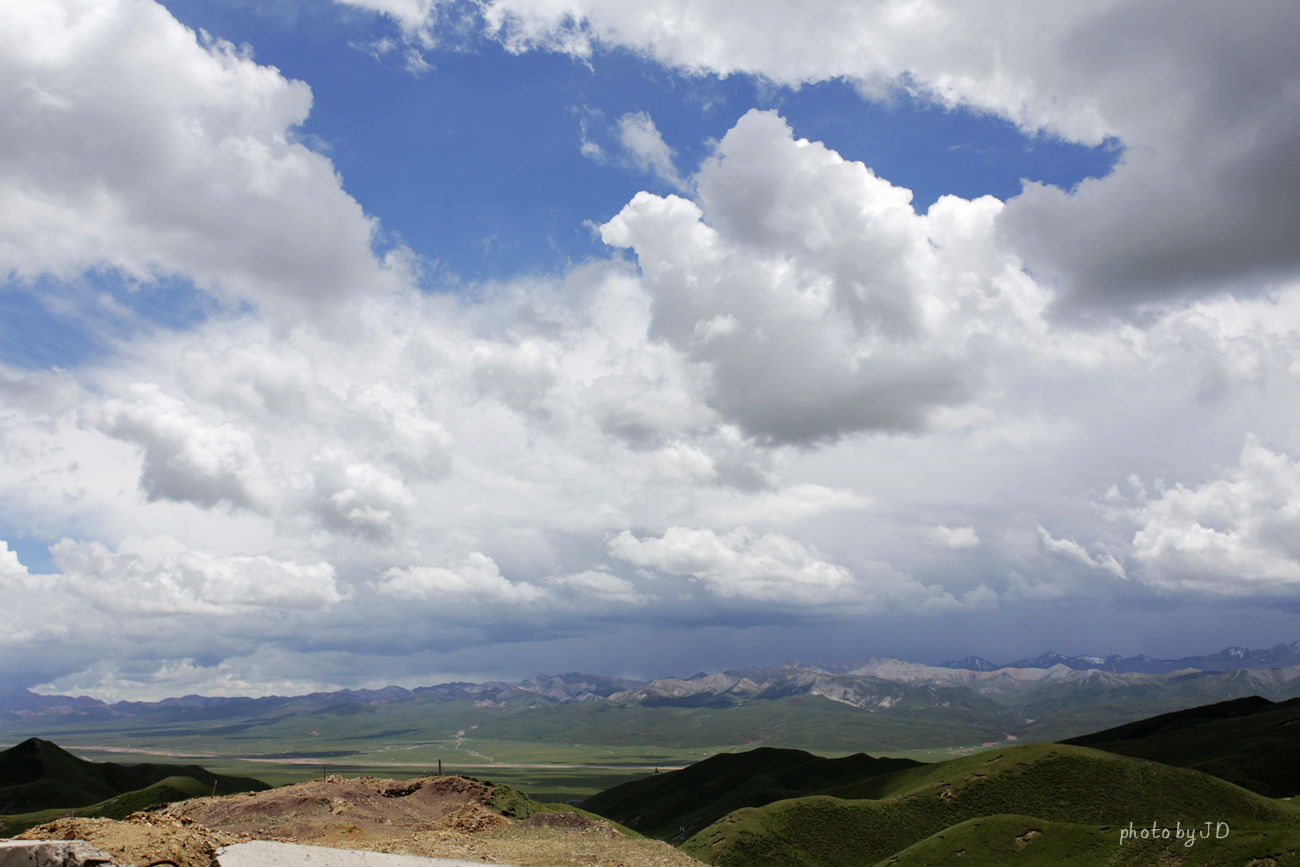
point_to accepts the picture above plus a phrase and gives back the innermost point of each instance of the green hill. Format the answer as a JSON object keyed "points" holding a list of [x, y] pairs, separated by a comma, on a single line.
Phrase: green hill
{"points": [[37, 775], [39, 778], [875, 818], [1252, 742], [662, 805], [1024, 841], [166, 791]]}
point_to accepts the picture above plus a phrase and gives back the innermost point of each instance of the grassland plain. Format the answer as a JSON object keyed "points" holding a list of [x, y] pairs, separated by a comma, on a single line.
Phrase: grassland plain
{"points": [[875, 819], [590, 746], [515, 725], [427, 730]]}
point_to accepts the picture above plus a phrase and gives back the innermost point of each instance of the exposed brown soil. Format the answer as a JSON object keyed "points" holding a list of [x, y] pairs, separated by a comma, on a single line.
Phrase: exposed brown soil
{"points": [[446, 817], [142, 839], [1028, 837], [338, 810]]}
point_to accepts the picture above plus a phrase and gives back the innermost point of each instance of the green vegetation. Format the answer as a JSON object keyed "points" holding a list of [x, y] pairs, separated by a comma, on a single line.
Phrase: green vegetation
{"points": [[515, 804], [920, 718], [398, 730], [664, 805], [423, 731], [1251, 742], [39, 782], [875, 818], [1075, 707], [751, 805], [548, 783], [167, 791], [1024, 841]]}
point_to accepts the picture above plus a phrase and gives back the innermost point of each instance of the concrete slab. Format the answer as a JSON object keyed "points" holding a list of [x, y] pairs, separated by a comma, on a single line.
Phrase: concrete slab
{"points": [[265, 853], [52, 853]]}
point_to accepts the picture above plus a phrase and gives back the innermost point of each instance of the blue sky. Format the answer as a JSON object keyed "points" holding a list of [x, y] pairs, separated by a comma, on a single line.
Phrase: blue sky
{"points": [[499, 336], [475, 161]]}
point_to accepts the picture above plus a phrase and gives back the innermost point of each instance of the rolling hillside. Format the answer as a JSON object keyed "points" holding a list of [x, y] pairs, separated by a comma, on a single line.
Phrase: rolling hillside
{"points": [[1251, 742], [665, 806], [1033, 805], [1092, 792], [39, 780]]}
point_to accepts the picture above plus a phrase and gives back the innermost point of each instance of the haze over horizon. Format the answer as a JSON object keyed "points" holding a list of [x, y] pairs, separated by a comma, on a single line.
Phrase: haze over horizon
{"points": [[1231, 659], [404, 341]]}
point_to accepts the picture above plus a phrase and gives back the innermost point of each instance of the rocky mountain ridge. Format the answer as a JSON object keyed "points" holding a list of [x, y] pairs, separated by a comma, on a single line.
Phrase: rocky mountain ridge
{"points": [[862, 682], [1228, 659]]}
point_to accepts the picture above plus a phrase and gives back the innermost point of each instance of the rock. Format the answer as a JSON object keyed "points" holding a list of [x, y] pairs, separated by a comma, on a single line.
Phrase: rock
{"points": [[52, 853], [264, 853]]}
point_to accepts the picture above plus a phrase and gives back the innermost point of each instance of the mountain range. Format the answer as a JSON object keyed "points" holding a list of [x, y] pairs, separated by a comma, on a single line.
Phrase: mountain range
{"points": [[571, 688], [1228, 659], [879, 704]]}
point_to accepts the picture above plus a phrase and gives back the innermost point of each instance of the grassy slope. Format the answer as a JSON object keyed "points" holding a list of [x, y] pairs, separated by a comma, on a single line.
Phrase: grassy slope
{"points": [[40, 781], [511, 802], [165, 791], [694, 797], [1024, 841], [37, 775], [1054, 783], [1250, 742]]}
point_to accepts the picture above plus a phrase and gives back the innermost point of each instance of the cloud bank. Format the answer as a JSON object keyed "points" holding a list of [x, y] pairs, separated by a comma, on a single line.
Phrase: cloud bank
{"points": [[1203, 98], [780, 400]]}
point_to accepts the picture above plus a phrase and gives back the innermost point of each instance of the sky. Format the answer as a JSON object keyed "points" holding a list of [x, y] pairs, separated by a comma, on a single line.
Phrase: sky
{"points": [[369, 342]]}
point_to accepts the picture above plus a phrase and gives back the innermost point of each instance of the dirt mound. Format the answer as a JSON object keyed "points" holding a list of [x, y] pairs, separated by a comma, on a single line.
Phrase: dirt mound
{"points": [[337, 810], [445, 817], [141, 838]]}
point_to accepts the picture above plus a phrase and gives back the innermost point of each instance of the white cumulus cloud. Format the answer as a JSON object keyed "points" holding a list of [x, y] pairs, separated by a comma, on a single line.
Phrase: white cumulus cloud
{"points": [[161, 576], [1234, 534], [955, 537], [741, 564], [185, 458], [789, 348], [133, 143], [477, 579], [596, 586], [819, 301]]}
